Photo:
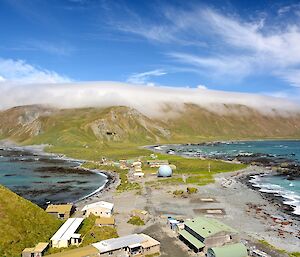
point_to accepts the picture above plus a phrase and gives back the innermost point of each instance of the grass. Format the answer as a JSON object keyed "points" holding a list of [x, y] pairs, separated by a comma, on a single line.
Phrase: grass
{"points": [[90, 234], [136, 220], [192, 190], [290, 254], [178, 192], [124, 185], [196, 170], [23, 224]]}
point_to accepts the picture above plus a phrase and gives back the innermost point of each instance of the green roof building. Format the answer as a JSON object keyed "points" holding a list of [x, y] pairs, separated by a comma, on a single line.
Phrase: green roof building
{"points": [[234, 250], [202, 233]]}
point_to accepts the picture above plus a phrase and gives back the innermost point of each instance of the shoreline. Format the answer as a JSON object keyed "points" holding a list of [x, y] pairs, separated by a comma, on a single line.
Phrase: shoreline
{"points": [[271, 196], [39, 151], [261, 216], [240, 202]]}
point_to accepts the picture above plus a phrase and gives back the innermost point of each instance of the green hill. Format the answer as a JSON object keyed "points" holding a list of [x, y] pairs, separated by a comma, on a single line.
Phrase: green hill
{"points": [[22, 223], [115, 131]]}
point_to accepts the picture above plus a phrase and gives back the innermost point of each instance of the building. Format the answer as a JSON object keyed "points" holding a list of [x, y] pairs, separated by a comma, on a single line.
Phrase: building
{"points": [[66, 235], [203, 233], [172, 223], [138, 174], [105, 221], [137, 164], [86, 251], [257, 253], [157, 163], [125, 164], [36, 251], [131, 245], [100, 209], [61, 211], [232, 250], [164, 171]]}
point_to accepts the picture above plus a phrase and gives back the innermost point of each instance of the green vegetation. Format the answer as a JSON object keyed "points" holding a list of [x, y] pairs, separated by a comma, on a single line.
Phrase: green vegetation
{"points": [[178, 192], [290, 254], [136, 220], [196, 171], [124, 185], [90, 234], [192, 190], [23, 224], [153, 255]]}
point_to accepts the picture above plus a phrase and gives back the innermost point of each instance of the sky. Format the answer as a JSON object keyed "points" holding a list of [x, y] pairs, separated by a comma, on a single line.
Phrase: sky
{"points": [[241, 46]]}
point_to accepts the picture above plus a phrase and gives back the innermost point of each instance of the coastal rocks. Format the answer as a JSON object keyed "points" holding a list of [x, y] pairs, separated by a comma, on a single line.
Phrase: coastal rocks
{"points": [[66, 170]]}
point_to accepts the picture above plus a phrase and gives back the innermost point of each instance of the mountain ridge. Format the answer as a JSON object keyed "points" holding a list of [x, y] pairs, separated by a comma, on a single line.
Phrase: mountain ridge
{"points": [[43, 124]]}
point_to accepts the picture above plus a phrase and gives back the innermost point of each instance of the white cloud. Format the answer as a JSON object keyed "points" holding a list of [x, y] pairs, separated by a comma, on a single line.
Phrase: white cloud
{"points": [[21, 71], [148, 100], [202, 87], [144, 77], [219, 65], [236, 46]]}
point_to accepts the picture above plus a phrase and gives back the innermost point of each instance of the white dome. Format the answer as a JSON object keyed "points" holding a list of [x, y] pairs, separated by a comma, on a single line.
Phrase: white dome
{"points": [[164, 171]]}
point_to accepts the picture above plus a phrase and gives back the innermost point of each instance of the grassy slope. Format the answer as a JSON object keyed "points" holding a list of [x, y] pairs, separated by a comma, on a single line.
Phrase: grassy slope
{"points": [[22, 223], [90, 234]]}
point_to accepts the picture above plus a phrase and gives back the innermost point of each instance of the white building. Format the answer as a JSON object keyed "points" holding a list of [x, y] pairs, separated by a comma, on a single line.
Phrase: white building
{"points": [[131, 245], [66, 235], [101, 209]]}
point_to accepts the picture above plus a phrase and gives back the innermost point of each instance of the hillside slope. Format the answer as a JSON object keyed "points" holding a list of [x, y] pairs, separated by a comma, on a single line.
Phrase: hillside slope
{"points": [[78, 127], [23, 224]]}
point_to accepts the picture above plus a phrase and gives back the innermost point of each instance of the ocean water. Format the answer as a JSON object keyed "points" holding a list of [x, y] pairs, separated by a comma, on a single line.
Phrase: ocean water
{"points": [[36, 178], [279, 149], [289, 190]]}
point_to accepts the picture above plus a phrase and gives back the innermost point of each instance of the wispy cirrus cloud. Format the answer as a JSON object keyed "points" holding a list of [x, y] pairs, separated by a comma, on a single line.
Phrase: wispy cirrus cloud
{"points": [[144, 78], [21, 71], [236, 47], [60, 49]]}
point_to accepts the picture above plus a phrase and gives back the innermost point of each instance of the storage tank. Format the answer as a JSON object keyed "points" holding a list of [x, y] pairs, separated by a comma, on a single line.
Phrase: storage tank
{"points": [[164, 171]]}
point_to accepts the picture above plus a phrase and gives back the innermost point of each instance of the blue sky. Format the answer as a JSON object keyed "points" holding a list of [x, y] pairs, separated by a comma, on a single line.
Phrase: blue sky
{"points": [[245, 46]]}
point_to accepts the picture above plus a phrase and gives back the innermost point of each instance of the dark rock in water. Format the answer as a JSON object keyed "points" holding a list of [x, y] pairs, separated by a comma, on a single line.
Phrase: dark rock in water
{"points": [[66, 170], [10, 175], [51, 160], [45, 176], [82, 182], [289, 177]]}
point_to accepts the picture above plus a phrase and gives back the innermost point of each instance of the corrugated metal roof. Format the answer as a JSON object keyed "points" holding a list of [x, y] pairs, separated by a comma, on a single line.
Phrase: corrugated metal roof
{"points": [[206, 227], [193, 240], [41, 247], [100, 204], [235, 250], [118, 243], [66, 231]]}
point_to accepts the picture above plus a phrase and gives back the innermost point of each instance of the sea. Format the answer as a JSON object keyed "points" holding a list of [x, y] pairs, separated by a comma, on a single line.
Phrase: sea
{"points": [[45, 179], [289, 190]]}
